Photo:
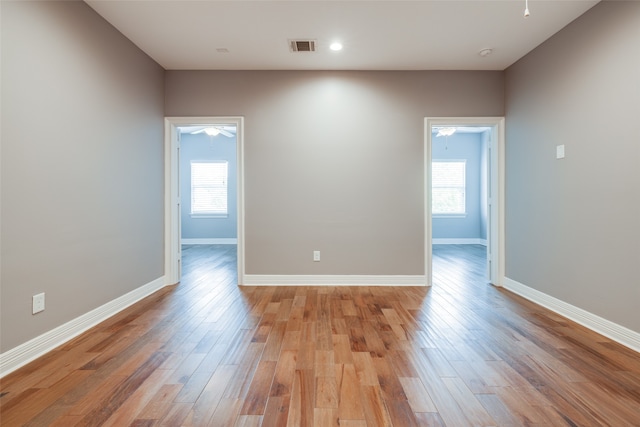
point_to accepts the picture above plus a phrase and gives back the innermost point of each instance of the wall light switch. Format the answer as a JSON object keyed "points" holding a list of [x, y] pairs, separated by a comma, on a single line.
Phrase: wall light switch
{"points": [[316, 255], [38, 303], [560, 151]]}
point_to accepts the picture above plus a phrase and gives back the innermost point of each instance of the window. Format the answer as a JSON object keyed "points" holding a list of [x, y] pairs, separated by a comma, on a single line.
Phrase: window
{"points": [[209, 189], [448, 187]]}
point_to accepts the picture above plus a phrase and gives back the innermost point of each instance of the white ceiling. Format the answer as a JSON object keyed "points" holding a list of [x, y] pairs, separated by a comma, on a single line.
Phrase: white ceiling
{"points": [[377, 35]]}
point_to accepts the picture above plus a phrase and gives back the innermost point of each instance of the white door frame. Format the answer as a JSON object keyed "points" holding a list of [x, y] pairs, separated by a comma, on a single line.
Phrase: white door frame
{"points": [[495, 237], [172, 246]]}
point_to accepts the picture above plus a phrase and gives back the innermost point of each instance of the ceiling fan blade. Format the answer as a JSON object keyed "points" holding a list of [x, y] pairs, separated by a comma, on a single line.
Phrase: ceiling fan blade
{"points": [[227, 131]]}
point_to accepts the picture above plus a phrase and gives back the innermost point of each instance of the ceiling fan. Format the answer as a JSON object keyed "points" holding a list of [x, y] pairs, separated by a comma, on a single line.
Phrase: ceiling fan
{"points": [[227, 131]]}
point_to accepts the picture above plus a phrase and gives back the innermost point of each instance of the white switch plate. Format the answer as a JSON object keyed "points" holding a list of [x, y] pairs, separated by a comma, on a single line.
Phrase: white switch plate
{"points": [[316, 255], [38, 303], [560, 151]]}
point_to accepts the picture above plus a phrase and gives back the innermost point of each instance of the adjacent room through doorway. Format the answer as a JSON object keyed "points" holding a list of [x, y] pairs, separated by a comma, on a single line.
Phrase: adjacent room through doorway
{"points": [[208, 193], [459, 201], [203, 190], [463, 198]]}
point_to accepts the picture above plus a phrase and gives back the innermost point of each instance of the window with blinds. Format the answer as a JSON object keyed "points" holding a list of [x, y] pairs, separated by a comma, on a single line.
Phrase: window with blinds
{"points": [[209, 188], [448, 183]]}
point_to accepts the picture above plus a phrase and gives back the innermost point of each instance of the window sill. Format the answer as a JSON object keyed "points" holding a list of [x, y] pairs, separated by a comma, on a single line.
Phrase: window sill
{"points": [[209, 216], [448, 215]]}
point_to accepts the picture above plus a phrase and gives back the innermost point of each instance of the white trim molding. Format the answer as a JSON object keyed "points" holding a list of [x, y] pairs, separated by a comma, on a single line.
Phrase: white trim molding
{"points": [[461, 241], [605, 327], [333, 280], [38, 346], [212, 241]]}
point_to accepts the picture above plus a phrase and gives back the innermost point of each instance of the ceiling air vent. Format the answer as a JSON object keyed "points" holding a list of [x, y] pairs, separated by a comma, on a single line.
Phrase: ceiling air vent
{"points": [[302, 45]]}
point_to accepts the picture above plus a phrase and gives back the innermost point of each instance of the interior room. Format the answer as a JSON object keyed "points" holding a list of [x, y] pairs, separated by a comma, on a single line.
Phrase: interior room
{"points": [[459, 196], [462, 161], [311, 298], [202, 223]]}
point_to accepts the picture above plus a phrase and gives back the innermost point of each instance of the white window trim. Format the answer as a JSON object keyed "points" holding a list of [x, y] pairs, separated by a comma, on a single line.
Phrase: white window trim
{"points": [[452, 214], [210, 215]]}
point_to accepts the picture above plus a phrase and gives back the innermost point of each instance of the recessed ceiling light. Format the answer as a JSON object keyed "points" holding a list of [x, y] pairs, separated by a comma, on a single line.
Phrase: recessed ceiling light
{"points": [[336, 46], [485, 52]]}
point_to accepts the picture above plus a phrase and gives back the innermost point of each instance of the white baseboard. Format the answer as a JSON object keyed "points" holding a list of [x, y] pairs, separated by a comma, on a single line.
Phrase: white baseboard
{"points": [[605, 327], [31, 350], [333, 280], [461, 241], [212, 241]]}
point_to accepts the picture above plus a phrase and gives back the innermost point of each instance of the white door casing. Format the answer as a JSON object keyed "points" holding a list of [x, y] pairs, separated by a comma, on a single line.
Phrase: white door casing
{"points": [[172, 236], [496, 192]]}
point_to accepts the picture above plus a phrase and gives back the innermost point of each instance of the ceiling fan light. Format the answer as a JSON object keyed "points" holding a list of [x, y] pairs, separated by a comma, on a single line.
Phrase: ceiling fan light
{"points": [[446, 131], [212, 131]]}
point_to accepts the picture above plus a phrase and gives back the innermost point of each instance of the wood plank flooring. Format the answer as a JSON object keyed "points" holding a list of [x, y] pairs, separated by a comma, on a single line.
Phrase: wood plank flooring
{"points": [[209, 353]]}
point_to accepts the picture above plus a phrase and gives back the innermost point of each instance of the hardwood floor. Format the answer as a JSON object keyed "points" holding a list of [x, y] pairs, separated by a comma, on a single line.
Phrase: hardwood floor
{"points": [[209, 353]]}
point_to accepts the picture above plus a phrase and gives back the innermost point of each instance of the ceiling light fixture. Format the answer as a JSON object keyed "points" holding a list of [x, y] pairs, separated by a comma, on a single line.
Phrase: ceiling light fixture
{"points": [[485, 52], [446, 131], [526, 8], [212, 131], [336, 46]]}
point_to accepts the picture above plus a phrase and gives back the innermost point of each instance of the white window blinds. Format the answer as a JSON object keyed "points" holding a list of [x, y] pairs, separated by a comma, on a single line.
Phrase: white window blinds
{"points": [[448, 187], [209, 188]]}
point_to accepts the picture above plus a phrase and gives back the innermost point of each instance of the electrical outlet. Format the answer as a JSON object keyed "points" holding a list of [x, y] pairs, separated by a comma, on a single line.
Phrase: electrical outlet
{"points": [[38, 303], [316, 256]]}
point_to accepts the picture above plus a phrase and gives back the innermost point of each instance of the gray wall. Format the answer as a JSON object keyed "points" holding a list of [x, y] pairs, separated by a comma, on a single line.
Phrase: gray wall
{"points": [[203, 147], [461, 146], [82, 166], [572, 224], [334, 160]]}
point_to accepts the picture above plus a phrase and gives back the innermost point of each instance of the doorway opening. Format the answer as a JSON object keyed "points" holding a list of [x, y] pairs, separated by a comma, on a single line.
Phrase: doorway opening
{"points": [[204, 202], [466, 204]]}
